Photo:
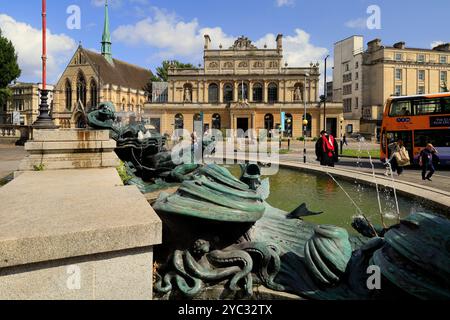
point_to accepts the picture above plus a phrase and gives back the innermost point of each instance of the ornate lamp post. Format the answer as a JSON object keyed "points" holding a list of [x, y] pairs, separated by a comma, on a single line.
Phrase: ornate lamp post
{"points": [[44, 120]]}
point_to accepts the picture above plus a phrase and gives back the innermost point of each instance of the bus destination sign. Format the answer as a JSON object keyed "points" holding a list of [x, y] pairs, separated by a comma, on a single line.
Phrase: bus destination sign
{"points": [[443, 121]]}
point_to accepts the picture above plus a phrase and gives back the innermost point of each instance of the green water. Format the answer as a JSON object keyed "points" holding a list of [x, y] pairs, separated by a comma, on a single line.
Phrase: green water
{"points": [[290, 188]]}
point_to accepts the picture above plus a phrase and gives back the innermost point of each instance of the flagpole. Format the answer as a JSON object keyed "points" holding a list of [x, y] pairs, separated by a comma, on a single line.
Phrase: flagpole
{"points": [[44, 44]]}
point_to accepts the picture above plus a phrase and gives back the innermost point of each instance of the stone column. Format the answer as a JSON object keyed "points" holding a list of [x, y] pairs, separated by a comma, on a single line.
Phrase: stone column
{"points": [[235, 91], [174, 89], [265, 95], [250, 91], [205, 92], [309, 90], [220, 91], [199, 98]]}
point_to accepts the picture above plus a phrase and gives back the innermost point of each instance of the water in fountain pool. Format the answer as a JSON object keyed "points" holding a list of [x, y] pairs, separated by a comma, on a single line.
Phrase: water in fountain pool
{"points": [[290, 188]]}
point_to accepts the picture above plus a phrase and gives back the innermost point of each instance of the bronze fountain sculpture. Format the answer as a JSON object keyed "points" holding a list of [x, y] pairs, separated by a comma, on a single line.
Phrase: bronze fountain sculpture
{"points": [[218, 231]]}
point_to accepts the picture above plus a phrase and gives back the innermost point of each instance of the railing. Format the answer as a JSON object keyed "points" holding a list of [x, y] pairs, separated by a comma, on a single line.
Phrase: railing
{"points": [[15, 133]]}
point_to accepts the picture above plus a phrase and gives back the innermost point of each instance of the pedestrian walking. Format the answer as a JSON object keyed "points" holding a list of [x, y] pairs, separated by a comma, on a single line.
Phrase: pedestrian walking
{"points": [[399, 157], [428, 156]]}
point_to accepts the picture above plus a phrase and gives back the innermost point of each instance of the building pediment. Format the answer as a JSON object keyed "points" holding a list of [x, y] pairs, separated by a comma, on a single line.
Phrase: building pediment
{"points": [[243, 43]]}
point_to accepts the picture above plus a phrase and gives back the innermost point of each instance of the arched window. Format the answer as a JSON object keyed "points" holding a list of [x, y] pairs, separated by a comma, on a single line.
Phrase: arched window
{"points": [[81, 89], [288, 125], [94, 93], [179, 121], [123, 105], [216, 121], [242, 91], [268, 121], [257, 92], [272, 93], [213, 93], [68, 90], [228, 93], [196, 120], [309, 126]]}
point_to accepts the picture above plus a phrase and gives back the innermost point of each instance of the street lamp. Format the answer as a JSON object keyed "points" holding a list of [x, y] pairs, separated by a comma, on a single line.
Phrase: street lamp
{"points": [[341, 119], [305, 122], [325, 95]]}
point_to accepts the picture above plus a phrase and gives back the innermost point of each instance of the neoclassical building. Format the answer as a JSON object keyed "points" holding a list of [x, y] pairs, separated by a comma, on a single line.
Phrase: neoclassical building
{"points": [[92, 77], [242, 87]]}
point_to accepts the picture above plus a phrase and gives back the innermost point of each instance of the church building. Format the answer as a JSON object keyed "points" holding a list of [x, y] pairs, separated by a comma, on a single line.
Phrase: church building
{"points": [[243, 87], [92, 77]]}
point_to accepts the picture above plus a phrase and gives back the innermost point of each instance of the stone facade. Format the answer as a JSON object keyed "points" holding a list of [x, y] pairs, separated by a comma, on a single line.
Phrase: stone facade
{"points": [[242, 87], [364, 79], [25, 100], [90, 78]]}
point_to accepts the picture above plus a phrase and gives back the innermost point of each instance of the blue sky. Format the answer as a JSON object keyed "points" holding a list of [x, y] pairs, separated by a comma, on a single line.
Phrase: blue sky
{"points": [[147, 31]]}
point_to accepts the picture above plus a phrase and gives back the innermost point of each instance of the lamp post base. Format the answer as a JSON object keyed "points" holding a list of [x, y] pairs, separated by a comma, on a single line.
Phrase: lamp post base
{"points": [[44, 120]]}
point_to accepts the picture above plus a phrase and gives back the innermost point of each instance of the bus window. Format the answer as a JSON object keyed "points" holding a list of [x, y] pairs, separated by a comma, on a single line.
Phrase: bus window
{"points": [[445, 106], [439, 138], [427, 106], [400, 108]]}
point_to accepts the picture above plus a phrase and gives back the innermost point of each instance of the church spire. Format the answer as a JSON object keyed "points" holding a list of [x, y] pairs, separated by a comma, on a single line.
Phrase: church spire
{"points": [[106, 37]]}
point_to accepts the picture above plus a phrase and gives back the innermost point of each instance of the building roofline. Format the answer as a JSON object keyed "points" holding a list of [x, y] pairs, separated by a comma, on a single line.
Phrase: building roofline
{"points": [[121, 61], [355, 35], [415, 49]]}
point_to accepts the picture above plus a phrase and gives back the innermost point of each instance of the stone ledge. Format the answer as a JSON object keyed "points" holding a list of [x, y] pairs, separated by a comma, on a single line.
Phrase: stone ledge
{"points": [[46, 146], [70, 149], [51, 215], [106, 276], [70, 135]]}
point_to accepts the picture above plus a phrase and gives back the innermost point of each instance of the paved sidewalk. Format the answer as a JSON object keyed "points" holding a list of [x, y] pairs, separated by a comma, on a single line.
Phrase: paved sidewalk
{"points": [[441, 179], [10, 156]]}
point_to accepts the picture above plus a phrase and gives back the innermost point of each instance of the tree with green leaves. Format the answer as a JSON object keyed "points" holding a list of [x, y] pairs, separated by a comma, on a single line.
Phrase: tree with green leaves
{"points": [[162, 73], [9, 68]]}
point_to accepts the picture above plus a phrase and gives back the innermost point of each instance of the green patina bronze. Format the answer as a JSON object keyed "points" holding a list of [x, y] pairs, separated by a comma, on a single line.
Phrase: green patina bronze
{"points": [[218, 229]]}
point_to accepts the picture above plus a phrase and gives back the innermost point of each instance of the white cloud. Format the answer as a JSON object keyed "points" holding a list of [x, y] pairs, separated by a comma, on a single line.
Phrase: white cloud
{"points": [[28, 43], [359, 23], [436, 43], [174, 37], [287, 3]]}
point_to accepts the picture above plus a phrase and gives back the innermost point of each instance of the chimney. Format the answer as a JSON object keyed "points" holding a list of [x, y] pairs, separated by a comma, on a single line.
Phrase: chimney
{"points": [[279, 41], [207, 42], [399, 45], [443, 47], [374, 45]]}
